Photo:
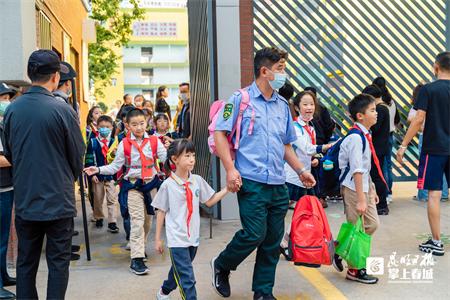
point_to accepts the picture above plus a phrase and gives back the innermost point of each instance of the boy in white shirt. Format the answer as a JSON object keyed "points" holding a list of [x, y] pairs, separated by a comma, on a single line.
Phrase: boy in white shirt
{"points": [[357, 188], [138, 154]]}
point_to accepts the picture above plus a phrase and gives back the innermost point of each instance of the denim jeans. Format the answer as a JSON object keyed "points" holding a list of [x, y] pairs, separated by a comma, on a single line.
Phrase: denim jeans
{"points": [[423, 194], [6, 204]]}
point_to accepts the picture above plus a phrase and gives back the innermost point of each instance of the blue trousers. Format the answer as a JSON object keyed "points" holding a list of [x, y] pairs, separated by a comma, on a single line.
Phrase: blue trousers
{"points": [[181, 273], [6, 204]]}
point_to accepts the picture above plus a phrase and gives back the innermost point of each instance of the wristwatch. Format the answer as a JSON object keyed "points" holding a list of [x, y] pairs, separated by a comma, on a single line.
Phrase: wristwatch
{"points": [[98, 170]]}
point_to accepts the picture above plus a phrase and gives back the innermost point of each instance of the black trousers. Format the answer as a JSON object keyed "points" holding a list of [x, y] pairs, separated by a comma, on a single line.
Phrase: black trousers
{"points": [[30, 236], [380, 186]]}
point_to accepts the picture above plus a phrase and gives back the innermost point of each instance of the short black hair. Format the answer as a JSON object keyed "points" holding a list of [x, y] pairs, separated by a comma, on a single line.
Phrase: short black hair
{"points": [[161, 116], [177, 148], [267, 57], [287, 91], [443, 60], [134, 112], [183, 84], [359, 104], [311, 89], [37, 77], [125, 96], [372, 90], [105, 118], [125, 111]]}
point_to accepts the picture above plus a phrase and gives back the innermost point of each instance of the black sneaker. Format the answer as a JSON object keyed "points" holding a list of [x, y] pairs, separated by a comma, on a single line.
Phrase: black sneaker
{"points": [[361, 276], [112, 227], [337, 263], [74, 256], [383, 211], [99, 223], [75, 248], [261, 296], [138, 267], [432, 247], [220, 280]]}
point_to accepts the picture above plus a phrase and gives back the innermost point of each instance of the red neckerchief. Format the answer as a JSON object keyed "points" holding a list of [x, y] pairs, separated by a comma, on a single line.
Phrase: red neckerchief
{"points": [[374, 154], [189, 201], [146, 170], [105, 149]]}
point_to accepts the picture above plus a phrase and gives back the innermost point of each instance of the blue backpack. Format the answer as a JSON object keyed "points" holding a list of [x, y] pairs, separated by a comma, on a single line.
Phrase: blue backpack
{"points": [[330, 175]]}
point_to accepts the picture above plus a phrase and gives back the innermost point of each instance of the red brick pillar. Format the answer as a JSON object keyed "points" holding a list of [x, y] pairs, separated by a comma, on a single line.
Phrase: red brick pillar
{"points": [[246, 34], [12, 244]]}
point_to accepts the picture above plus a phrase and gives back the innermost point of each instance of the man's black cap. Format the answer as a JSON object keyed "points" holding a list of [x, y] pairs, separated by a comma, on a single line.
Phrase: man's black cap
{"points": [[45, 62], [69, 75], [4, 89]]}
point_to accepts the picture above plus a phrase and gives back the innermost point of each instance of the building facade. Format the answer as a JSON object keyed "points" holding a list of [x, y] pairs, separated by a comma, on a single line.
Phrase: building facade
{"points": [[156, 55], [44, 24]]}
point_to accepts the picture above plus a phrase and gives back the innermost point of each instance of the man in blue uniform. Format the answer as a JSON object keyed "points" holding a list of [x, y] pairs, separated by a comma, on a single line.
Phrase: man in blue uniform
{"points": [[257, 174]]}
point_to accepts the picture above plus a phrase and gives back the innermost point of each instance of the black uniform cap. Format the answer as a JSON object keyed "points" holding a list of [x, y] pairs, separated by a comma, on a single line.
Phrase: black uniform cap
{"points": [[45, 62], [5, 89], [67, 76]]}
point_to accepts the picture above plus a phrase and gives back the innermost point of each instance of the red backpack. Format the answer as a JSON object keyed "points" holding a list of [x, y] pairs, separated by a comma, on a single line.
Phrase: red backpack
{"points": [[310, 241]]}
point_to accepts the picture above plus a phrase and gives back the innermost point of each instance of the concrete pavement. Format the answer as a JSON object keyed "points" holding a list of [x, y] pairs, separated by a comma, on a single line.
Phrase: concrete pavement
{"points": [[107, 276]]}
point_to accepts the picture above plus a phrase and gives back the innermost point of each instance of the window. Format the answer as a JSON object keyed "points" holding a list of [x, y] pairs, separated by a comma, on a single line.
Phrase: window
{"points": [[146, 54], [113, 81], [148, 94], [146, 76], [45, 32]]}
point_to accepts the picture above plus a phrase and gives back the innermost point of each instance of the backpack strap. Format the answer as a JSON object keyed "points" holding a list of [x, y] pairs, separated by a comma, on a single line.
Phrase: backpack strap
{"points": [[245, 102], [154, 146], [127, 152], [353, 130]]}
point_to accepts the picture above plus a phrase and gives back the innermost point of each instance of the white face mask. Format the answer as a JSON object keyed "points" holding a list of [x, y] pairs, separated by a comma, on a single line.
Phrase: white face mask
{"points": [[184, 97]]}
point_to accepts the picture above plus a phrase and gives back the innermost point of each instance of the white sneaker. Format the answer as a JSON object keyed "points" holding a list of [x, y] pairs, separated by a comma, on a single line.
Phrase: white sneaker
{"points": [[127, 247], [389, 199], [160, 296]]}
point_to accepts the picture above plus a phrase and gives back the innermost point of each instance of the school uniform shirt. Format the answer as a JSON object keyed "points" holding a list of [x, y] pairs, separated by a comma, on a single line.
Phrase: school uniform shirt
{"points": [[171, 198], [133, 173], [260, 156], [351, 154], [94, 154], [304, 149], [44, 143]]}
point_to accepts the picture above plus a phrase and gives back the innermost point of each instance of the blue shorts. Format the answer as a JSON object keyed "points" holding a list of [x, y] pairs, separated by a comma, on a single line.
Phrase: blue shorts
{"points": [[432, 169]]}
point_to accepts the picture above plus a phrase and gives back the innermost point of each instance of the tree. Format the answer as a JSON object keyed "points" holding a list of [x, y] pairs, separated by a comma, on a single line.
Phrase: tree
{"points": [[113, 28], [103, 106]]}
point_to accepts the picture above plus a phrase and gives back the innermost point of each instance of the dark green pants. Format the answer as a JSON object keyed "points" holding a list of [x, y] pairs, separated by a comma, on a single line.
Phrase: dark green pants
{"points": [[262, 209]]}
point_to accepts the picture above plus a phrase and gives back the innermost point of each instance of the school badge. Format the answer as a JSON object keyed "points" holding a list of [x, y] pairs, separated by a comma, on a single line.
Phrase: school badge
{"points": [[227, 111]]}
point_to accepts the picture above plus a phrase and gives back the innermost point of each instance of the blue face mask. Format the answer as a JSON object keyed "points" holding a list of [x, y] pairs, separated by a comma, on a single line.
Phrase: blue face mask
{"points": [[104, 131], [278, 81]]}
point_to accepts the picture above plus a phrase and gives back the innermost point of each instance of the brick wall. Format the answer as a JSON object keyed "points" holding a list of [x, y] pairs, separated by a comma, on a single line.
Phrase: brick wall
{"points": [[246, 28]]}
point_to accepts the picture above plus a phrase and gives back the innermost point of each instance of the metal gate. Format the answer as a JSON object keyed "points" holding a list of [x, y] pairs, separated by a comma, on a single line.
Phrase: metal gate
{"points": [[340, 46]]}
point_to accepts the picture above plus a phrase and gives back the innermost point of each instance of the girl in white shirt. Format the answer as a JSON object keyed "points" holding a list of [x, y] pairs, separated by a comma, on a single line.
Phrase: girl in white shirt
{"points": [[305, 147]]}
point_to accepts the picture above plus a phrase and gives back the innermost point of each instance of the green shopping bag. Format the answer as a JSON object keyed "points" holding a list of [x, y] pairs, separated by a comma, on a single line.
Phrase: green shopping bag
{"points": [[354, 244]]}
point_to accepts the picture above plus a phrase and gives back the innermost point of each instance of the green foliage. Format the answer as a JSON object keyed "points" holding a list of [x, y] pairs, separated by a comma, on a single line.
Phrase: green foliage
{"points": [[113, 28], [103, 106]]}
